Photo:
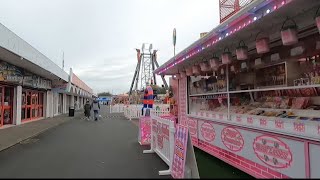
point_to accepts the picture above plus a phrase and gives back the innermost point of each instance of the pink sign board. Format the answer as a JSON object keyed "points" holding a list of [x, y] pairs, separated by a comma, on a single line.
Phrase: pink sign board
{"points": [[260, 154], [272, 151], [170, 118], [232, 139], [183, 101], [207, 131], [145, 130], [193, 129], [180, 152]]}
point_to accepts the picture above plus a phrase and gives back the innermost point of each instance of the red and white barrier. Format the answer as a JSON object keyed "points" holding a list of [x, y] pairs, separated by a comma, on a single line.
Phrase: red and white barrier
{"points": [[162, 140], [134, 111], [117, 108]]}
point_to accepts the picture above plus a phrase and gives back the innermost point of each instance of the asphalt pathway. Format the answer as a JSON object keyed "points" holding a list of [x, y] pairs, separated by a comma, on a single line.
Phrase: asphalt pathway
{"points": [[83, 149]]}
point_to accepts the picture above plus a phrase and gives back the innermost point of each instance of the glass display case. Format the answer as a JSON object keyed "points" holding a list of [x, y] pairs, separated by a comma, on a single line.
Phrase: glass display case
{"points": [[278, 96]]}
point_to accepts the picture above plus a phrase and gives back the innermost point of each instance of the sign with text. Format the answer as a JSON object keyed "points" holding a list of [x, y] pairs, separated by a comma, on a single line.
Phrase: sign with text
{"points": [[145, 130], [183, 101], [272, 151], [232, 139], [184, 163], [265, 154]]}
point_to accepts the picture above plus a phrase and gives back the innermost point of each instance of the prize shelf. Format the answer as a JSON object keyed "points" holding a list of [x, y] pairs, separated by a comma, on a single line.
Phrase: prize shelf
{"points": [[207, 94], [257, 90], [276, 88]]}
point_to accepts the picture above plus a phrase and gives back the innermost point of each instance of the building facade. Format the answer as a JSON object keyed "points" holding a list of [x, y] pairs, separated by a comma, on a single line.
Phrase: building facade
{"points": [[32, 87]]}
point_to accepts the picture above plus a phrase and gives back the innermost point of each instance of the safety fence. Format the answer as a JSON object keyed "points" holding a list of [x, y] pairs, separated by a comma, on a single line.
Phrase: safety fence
{"points": [[135, 111], [117, 108], [162, 140]]}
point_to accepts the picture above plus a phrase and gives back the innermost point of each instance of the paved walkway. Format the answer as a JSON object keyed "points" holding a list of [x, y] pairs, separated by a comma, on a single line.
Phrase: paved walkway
{"points": [[15, 134], [82, 149]]}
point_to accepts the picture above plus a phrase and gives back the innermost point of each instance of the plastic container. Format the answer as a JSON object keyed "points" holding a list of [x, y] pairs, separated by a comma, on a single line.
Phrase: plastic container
{"points": [[242, 51], [196, 69], [289, 33], [262, 45], [226, 56], [189, 71], [205, 66], [214, 63]]}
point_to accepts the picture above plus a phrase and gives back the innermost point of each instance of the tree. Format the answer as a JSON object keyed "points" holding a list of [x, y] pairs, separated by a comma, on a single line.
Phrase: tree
{"points": [[104, 94], [158, 89]]}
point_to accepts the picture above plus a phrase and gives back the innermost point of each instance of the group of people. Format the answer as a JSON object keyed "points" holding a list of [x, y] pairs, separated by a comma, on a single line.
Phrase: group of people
{"points": [[95, 106]]}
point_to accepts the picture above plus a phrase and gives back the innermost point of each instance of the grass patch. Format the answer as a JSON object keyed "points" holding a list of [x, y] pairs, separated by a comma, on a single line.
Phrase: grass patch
{"points": [[212, 167]]}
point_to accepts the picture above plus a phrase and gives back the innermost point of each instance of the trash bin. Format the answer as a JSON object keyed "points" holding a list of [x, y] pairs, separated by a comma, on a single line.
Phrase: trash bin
{"points": [[71, 112]]}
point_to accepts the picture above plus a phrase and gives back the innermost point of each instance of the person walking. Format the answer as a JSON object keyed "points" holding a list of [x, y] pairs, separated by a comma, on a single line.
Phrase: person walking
{"points": [[96, 107], [87, 109]]}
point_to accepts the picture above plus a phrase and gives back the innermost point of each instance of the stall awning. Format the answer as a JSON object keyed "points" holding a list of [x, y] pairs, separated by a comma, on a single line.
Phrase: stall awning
{"points": [[259, 16]]}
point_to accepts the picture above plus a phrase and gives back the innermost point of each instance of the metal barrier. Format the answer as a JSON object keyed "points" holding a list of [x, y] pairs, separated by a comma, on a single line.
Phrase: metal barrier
{"points": [[162, 140]]}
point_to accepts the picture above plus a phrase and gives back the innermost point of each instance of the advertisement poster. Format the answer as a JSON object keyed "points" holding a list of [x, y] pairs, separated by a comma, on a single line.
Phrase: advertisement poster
{"points": [[10, 73], [183, 102], [272, 151], [180, 151], [193, 129], [232, 139], [145, 130]]}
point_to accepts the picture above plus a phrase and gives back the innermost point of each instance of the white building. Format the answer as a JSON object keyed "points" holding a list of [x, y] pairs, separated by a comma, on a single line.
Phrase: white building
{"points": [[33, 87]]}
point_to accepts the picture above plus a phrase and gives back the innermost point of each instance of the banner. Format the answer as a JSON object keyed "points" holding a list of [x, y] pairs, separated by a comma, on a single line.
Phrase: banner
{"points": [[144, 130], [10, 73], [184, 163]]}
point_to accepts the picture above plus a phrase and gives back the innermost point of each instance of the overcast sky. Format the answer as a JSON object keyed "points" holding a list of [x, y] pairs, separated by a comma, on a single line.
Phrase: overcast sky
{"points": [[99, 37]]}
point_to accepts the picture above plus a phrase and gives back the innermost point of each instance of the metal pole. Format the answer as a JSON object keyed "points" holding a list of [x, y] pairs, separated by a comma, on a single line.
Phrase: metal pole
{"points": [[228, 94], [153, 68], [62, 60]]}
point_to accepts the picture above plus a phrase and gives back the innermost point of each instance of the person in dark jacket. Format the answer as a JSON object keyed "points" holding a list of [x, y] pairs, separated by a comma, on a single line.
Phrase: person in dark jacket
{"points": [[87, 109]]}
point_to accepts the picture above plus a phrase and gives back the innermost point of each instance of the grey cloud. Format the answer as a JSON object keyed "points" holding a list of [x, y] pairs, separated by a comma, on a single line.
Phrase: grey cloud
{"points": [[99, 37]]}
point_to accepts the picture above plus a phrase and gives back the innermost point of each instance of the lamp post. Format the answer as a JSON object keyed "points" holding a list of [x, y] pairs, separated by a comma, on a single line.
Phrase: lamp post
{"points": [[174, 41]]}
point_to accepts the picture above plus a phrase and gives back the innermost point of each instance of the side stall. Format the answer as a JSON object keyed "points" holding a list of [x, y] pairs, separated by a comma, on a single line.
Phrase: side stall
{"points": [[249, 91]]}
